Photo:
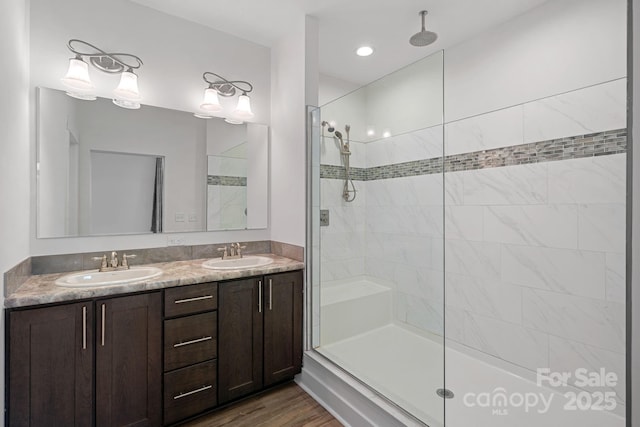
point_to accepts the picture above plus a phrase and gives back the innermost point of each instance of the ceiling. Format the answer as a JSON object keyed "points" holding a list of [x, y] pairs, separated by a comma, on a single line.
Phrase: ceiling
{"points": [[344, 25]]}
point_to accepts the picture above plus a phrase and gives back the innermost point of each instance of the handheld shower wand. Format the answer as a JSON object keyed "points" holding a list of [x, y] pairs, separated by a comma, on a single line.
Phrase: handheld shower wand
{"points": [[349, 189], [346, 154]]}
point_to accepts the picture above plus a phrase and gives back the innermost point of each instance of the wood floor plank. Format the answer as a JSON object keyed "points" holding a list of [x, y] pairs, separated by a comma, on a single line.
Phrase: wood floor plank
{"points": [[285, 406]]}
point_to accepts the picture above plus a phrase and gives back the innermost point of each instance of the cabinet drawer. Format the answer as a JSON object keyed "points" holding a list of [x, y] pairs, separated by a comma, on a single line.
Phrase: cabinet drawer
{"points": [[189, 391], [190, 299], [189, 340]]}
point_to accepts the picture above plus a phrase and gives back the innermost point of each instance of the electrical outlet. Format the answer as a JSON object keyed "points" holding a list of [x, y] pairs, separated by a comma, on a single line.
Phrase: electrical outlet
{"points": [[324, 217], [175, 241], [179, 217], [193, 217]]}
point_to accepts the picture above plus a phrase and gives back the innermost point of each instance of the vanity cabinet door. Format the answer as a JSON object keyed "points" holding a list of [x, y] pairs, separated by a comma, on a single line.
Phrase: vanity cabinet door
{"points": [[51, 366], [282, 326], [129, 360], [240, 309]]}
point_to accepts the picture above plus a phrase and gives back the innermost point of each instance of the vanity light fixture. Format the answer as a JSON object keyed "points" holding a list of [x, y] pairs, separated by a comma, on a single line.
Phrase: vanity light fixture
{"points": [[219, 86], [77, 79]]}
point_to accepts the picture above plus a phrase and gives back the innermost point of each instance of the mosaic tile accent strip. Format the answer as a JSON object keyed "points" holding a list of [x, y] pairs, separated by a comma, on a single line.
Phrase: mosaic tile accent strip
{"points": [[590, 145], [595, 144], [414, 168], [337, 172], [232, 181]]}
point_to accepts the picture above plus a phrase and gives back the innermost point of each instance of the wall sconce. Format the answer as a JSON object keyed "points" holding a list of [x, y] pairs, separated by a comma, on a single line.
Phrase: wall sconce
{"points": [[225, 88], [77, 79]]}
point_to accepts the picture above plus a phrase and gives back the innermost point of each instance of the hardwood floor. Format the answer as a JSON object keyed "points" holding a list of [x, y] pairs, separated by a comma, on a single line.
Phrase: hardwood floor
{"points": [[287, 405]]}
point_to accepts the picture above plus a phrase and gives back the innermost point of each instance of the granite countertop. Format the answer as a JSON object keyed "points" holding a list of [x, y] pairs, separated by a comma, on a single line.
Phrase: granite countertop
{"points": [[41, 289]]}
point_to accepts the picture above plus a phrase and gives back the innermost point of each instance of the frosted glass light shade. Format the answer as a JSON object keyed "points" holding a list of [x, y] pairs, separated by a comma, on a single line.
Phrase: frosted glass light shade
{"points": [[124, 103], [243, 109], [77, 76], [127, 90], [211, 102]]}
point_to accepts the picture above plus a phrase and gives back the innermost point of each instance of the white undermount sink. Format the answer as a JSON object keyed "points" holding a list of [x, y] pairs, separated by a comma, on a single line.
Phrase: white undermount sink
{"points": [[250, 261], [93, 278]]}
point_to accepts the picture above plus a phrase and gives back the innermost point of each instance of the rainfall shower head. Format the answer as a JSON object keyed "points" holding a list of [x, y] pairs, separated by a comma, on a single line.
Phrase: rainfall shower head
{"points": [[424, 37]]}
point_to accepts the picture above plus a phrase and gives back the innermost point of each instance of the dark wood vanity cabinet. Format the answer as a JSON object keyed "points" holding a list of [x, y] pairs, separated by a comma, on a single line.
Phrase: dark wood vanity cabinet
{"points": [[240, 338], [260, 333], [282, 327], [153, 358], [190, 351], [52, 352], [50, 360], [128, 360]]}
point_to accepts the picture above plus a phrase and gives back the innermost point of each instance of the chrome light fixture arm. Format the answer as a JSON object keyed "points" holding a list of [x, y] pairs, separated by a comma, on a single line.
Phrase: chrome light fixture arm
{"points": [[106, 61], [226, 87]]}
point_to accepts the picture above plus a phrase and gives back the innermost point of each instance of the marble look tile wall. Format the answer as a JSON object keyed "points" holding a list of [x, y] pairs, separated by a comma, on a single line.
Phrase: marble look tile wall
{"points": [[342, 243], [535, 252], [226, 206], [535, 266]]}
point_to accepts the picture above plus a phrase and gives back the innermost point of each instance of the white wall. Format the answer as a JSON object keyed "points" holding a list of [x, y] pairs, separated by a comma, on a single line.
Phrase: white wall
{"points": [[15, 149], [558, 47], [55, 112], [331, 88], [401, 102], [257, 176], [175, 52], [288, 132], [123, 187], [177, 136], [222, 136]]}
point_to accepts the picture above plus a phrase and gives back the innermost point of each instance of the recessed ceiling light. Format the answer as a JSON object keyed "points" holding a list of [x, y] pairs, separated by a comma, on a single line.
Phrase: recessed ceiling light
{"points": [[364, 51]]}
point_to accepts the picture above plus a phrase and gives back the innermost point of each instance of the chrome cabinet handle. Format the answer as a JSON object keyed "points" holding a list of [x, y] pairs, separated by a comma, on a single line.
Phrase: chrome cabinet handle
{"points": [[104, 316], [189, 393], [259, 296], [182, 301], [270, 294], [84, 327], [181, 344]]}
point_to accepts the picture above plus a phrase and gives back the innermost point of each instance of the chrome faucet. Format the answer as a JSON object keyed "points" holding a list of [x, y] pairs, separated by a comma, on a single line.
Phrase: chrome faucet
{"points": [[225, 252], [239, 250], [233, 251], [125, 258], [113, 263]]}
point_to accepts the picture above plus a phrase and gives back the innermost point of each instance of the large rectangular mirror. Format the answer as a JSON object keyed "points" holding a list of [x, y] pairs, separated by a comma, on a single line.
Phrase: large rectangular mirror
{"points": [[107, 170]]}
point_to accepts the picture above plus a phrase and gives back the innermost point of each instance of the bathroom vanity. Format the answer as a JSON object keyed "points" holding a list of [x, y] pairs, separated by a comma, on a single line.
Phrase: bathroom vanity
{"points": [[152, 353]]}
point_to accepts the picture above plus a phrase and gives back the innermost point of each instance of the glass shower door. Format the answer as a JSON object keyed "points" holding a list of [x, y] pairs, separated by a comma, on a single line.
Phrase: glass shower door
{"points": [[378, 232]]}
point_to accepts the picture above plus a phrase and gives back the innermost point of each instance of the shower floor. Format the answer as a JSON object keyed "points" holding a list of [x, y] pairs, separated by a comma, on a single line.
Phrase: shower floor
{"points": [[407, 368], [402, 366]]}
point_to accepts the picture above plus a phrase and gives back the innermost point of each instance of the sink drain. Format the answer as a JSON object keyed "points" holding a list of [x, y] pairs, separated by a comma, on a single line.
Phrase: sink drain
{"points": [[444, 393]]}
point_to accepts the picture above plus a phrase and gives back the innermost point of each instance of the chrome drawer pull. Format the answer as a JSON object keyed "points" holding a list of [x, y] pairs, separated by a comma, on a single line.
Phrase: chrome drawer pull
{"points": [[181, 301], [189, 393], [180, 344], [84, 327], [104, 318]]}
